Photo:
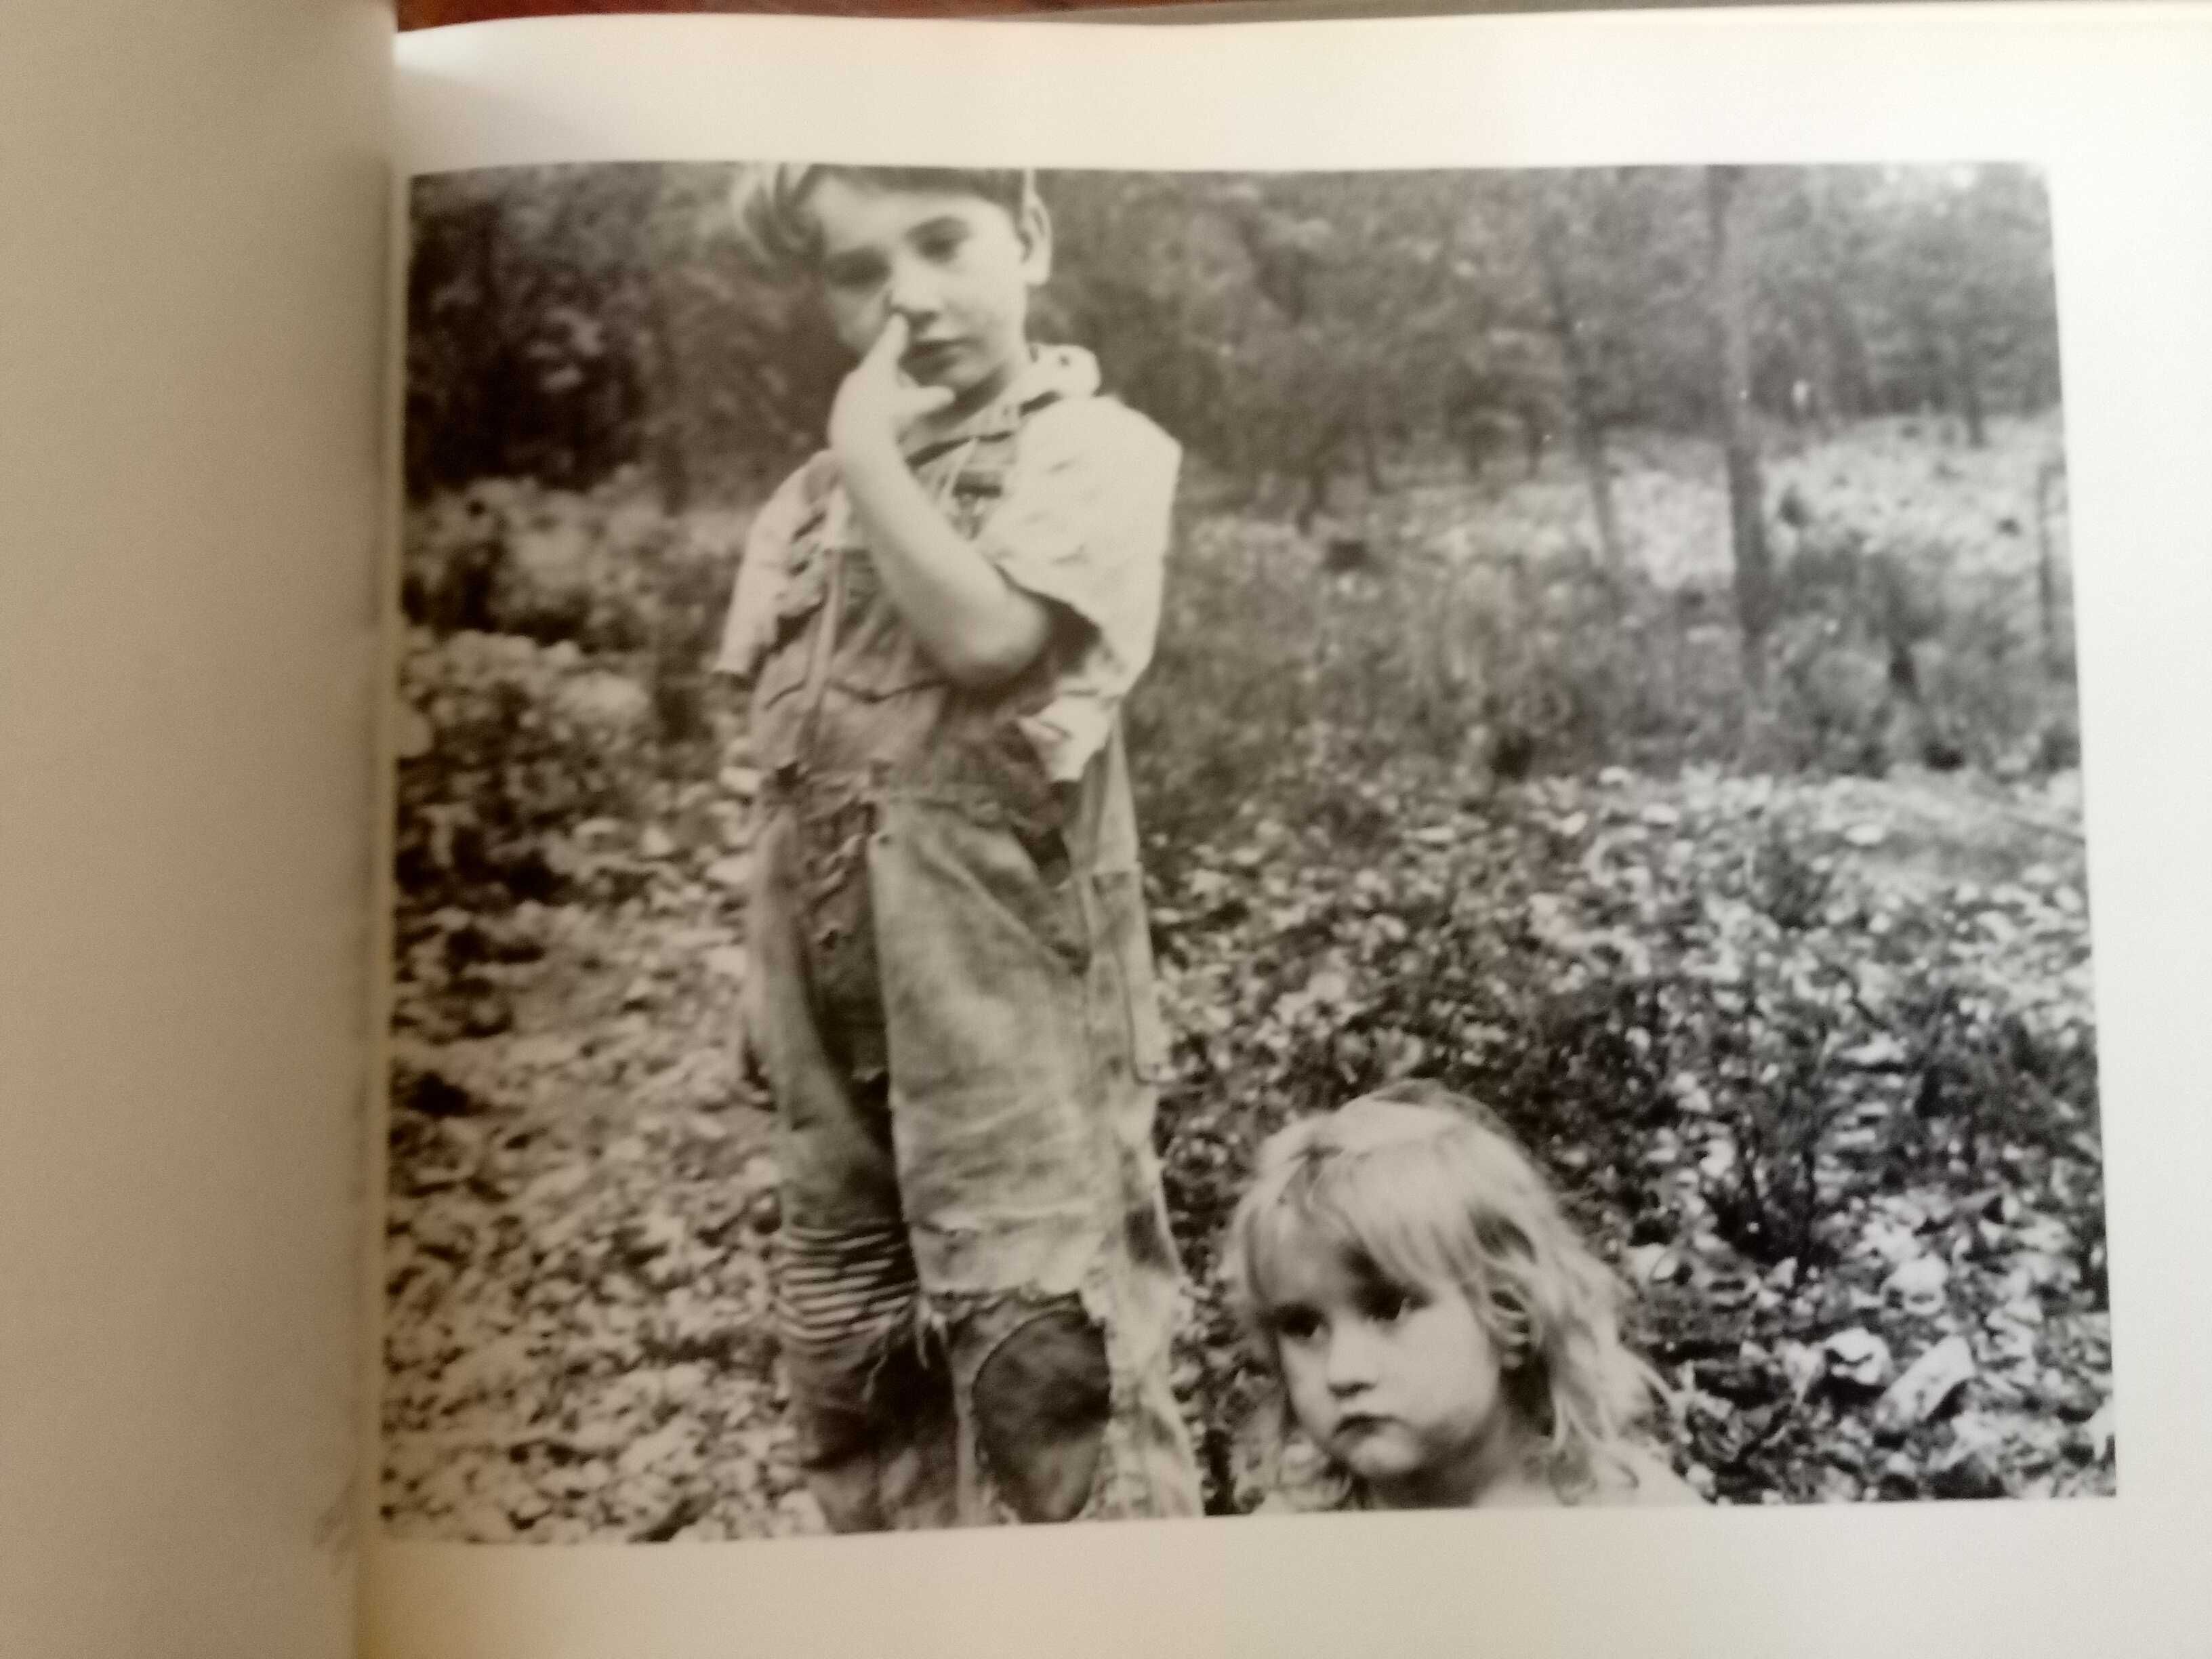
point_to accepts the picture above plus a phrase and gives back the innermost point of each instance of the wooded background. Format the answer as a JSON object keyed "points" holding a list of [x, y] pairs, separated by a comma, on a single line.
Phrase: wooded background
{"points": [[1293, 330], [562, 325]]}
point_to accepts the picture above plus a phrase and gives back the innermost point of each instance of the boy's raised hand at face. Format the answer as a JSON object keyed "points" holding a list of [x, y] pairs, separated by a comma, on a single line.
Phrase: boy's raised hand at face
{"points": [[877, 402], [975, 625]]}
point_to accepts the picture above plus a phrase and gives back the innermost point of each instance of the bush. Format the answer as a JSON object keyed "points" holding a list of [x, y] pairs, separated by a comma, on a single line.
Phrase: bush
{"points": [[608, 571], [1277, 675], [518, 744]]}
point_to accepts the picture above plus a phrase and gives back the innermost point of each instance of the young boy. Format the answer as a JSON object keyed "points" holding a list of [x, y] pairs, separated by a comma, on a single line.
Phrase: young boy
{"points": [[939, 617]]}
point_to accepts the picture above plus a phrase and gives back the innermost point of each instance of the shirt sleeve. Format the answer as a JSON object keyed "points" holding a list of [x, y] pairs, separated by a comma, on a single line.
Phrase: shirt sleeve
{"points": [[1084, 524], [750, 629]]}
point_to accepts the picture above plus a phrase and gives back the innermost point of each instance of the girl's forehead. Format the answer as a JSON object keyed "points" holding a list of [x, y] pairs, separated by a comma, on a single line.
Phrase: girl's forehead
{"points": [[1304, 1259], [1336, 1241]]}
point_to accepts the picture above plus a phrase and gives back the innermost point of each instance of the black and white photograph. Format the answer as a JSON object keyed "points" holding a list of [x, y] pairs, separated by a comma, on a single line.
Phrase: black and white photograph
{"points": [[1087, 845]]}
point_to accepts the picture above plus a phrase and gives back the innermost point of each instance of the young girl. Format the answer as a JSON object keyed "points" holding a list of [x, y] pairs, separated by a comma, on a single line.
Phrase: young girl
{"points": [[1440, 1333]]}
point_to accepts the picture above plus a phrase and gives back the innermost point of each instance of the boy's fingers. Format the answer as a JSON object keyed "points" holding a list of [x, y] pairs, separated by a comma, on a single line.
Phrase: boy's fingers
{"points": [[890, 340]]}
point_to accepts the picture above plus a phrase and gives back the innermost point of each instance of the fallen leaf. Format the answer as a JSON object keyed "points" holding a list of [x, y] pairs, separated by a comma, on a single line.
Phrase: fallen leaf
{"points": [[1802, 1363], [1858, 1357], [1930, 1383], [1919, 1285], [1878, 1051], [2098, 1431]]}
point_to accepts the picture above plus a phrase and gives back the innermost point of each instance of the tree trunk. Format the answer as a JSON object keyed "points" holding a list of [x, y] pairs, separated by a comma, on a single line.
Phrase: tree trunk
{"points": [[1843, 360], [1318, 472], [2046, 570], [1754, 579], [2040, 388], [666, 446], [1850, 391], [1931, 382], [664, 434], [1965, 350], [1531, 416], [1585, 432], [1367, 425], [1371, 458]]}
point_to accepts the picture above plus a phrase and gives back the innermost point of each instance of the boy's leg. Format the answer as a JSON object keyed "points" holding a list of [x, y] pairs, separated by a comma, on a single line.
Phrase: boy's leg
{"points": [[1026, 1176], [878, 1440], [874, 1407]]}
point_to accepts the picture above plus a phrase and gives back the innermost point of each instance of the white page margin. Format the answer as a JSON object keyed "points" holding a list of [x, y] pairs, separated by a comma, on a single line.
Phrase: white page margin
{"points": [[2117, 101]]}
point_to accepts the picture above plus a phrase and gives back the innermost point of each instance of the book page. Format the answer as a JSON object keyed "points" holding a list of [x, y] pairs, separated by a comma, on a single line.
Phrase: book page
{"points": [[1381, 794], [192, 275]]}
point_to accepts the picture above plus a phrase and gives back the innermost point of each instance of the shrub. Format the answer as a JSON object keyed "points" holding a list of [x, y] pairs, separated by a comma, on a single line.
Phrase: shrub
{"points": [[608, 571], [521, 742], [1275, 674]]}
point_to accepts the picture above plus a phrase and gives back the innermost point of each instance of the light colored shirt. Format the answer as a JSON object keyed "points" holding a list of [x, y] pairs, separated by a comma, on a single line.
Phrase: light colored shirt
{"points": [[1067, 493]]}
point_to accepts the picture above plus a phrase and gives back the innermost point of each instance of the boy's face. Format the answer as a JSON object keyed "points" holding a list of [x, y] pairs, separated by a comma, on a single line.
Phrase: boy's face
{"points": [[1400, 1385], [959, 270]]}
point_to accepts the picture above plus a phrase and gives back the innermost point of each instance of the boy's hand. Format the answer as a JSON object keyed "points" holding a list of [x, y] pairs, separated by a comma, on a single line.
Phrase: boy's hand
{"points": [[877, 404], [977, 627]]}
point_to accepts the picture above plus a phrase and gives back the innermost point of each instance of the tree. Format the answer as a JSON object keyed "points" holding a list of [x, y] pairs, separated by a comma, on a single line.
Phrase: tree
{"points": [[565, 322], [1731, 324], [1583, 431], [1809, 259]]}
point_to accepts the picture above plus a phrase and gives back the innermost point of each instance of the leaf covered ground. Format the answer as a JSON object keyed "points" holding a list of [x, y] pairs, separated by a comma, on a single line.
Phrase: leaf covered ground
{"points": [[583, 1218], [1812, 1060], [1812, 1054]]}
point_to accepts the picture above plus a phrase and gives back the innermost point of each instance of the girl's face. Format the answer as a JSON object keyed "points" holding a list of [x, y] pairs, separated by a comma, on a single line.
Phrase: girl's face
{"points": [[958, 268], [1399, 1384]]}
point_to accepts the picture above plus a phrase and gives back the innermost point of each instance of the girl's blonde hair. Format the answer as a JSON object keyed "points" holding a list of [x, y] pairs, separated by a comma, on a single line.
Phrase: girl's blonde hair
{"points": [[779, 229], [1425, 1187]]}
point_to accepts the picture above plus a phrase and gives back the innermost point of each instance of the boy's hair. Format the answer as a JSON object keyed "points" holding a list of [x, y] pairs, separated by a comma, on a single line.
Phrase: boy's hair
{"points": [[770, 201], [1423, 1188]]}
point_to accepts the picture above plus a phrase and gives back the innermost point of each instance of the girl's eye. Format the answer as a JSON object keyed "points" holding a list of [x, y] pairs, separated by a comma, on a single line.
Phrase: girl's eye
{"points": [[1386, 1304], [1296, 1324]]}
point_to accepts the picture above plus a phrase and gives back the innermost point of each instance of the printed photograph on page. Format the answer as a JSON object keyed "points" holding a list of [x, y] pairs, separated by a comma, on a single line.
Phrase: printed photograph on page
{"points": [[1078, 846]]}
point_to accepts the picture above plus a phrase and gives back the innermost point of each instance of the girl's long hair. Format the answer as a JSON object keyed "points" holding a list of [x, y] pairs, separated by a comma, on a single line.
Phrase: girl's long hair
{"points": [[1425, 1189]]}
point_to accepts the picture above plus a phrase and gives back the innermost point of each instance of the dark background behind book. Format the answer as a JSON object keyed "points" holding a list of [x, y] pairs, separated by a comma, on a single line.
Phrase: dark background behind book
{"points": [[432, 14]]}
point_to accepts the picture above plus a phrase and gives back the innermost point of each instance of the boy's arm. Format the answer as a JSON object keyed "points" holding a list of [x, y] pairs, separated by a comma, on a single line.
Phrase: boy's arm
{"points": [[977, 627], [748, 625]]}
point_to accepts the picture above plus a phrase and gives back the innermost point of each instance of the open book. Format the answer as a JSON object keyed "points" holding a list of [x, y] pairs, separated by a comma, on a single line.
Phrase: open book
{"points": [[1619, 583]]}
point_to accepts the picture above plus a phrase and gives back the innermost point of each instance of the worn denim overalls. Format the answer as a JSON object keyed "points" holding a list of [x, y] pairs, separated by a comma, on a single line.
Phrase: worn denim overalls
{"points": [[975, 1281]]}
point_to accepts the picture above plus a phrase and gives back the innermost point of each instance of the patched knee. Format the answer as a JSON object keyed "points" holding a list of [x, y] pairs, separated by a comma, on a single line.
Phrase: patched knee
{"points": [[1041, 1401]]}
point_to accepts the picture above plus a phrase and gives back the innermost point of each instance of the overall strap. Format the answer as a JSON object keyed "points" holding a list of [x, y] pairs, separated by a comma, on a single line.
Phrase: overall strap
{"points": [[824, 645], [817, 663]]}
